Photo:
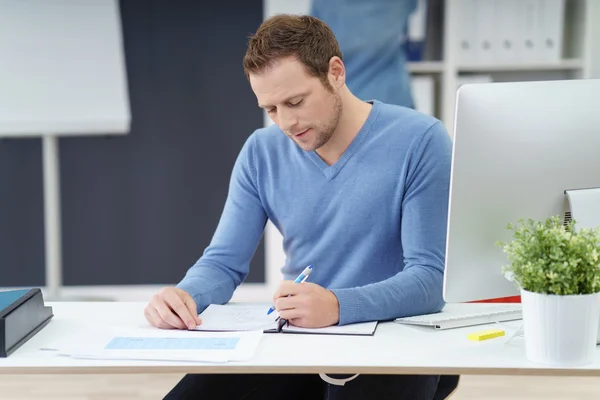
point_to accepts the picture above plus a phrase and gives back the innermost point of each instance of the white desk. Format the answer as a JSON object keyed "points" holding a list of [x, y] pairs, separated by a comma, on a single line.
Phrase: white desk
{"points": [[394, 349]]}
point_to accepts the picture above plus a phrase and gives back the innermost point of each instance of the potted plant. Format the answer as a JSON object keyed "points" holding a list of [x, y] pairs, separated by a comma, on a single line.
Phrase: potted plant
{"points": [[557, 269]]}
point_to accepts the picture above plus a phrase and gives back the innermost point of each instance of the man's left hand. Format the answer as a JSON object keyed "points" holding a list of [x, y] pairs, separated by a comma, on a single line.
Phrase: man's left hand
{"points": [[308, 305]]}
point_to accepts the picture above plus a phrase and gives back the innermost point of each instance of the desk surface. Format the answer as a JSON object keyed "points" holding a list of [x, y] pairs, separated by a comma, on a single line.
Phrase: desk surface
{"points": [[394, 349]]}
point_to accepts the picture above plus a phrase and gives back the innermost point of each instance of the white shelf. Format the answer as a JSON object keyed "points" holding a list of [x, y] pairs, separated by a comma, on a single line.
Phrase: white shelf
{"points": [[581, 60], [438, 66], [426, 67], [563, 65]]}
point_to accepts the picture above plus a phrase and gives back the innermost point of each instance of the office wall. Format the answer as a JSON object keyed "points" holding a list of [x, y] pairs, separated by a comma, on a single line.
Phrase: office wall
{"points": [[141, 208], [21, 213]]}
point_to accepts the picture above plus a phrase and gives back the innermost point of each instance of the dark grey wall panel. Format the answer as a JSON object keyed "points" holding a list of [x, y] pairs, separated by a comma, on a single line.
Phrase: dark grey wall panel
{"points": [[21, 213], [141, 208]]}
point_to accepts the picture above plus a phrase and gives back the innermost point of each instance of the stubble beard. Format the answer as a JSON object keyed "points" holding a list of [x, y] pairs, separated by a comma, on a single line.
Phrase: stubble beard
{"points": [[325, 132]]}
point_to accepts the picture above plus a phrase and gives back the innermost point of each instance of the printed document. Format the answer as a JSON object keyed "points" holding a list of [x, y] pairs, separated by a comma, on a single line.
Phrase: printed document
{"points": [[161, 345]]}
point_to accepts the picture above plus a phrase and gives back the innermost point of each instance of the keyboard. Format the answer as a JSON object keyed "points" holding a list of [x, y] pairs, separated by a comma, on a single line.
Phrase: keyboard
{"points": [[448, 318]]}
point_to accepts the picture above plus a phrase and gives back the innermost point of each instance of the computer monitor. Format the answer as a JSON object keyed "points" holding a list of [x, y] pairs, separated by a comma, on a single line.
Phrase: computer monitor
{"points": [[518, 147]]}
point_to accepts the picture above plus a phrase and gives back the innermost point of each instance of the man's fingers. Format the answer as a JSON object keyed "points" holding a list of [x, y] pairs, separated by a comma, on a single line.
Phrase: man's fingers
{"points": [[155, 319], [167, 315], [291, 314], [191, 306], [175, 303], [296, 322], [147, 315], [286, 303], [287, 288]]}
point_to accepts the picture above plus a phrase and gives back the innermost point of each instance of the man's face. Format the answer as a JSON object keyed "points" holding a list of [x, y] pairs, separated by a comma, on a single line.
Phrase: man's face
{"points": [[303, 108]]}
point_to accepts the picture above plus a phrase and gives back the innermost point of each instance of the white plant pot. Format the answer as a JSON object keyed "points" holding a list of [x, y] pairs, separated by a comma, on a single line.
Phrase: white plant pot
{"points": [[560, 330]]}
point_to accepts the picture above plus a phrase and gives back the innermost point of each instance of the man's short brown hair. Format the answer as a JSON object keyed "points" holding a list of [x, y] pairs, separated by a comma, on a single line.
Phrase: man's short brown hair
{"points": [[304, 37]]}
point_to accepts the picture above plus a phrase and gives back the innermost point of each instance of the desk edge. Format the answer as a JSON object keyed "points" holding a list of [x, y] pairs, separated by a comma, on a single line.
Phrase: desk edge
{"points": [[241, 369]]}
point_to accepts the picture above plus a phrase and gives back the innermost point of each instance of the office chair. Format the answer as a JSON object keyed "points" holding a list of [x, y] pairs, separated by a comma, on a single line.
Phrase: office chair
{"points": [[446, 387]]}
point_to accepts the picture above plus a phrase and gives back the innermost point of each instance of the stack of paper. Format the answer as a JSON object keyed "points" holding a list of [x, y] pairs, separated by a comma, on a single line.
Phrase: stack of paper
{"points": [[162, 345], [237, 317]]}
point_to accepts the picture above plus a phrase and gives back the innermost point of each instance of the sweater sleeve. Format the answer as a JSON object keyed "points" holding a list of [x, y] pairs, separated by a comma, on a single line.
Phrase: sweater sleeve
{"points": [[225, 262], [417, 289]]}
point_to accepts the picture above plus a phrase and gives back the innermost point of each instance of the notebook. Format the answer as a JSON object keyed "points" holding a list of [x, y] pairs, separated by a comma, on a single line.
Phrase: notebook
{"points": [[244, 317]]}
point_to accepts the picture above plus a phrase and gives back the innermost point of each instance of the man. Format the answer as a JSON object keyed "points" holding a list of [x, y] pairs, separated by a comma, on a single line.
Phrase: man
{"points": [[358, 189]]}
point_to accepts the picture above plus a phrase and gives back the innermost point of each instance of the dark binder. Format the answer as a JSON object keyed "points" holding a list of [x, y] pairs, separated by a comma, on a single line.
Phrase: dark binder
{"points": [[22, 315]]}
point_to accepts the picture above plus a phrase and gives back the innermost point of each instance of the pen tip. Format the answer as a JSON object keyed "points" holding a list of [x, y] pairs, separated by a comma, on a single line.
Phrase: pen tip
{"points": [[270, 311]]}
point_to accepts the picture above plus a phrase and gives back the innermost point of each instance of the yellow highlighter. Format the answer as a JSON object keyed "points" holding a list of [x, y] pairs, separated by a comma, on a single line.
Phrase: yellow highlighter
{"points": [[485, 335]]}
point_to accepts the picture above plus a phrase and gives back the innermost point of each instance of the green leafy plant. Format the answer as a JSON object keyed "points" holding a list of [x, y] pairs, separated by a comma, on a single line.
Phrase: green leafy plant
{"points": [[553, 258]]}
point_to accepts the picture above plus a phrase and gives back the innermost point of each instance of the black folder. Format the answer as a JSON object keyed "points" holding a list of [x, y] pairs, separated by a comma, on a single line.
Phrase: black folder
{"points": [[22, 315]]}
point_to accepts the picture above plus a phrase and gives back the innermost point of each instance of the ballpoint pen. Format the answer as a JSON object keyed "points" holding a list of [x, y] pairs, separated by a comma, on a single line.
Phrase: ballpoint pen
{"points": [[301, 278]]}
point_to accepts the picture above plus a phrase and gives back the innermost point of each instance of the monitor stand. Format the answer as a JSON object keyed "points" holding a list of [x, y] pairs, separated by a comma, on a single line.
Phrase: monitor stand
{"points": [[583, 206]]}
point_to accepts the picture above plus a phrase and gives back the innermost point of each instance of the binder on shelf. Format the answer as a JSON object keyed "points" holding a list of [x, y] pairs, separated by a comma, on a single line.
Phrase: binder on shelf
{"points": [[550, 29], [528, 32], [506, 36], [22, 315], [465, 48], [510, 31], [417, 32], [485, 44]]}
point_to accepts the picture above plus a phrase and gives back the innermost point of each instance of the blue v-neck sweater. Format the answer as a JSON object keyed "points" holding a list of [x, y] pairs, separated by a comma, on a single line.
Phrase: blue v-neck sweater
{"points": [[373, 225]]}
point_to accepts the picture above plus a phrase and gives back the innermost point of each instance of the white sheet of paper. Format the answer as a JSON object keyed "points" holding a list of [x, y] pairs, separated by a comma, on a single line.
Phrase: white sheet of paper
{"points": [[176, 345], [236, 318], [243, 317]]}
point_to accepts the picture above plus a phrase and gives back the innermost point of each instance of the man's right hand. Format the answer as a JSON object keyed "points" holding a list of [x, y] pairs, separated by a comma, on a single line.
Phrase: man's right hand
{"points": [[172, 308]]}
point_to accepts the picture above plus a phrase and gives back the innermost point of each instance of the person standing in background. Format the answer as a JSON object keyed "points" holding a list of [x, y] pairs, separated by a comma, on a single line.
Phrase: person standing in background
{"points": [[370, 35]]}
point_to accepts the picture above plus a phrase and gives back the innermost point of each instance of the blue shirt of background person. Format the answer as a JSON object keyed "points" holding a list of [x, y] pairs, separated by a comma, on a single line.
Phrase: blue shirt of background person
{"points": [[370, 34]]}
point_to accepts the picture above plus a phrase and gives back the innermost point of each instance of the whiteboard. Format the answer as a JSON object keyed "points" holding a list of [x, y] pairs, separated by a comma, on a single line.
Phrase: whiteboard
{"points": [[274, 7], [62, 68]]}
